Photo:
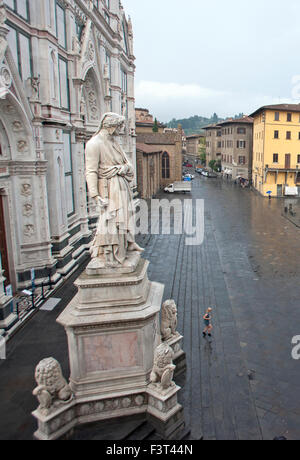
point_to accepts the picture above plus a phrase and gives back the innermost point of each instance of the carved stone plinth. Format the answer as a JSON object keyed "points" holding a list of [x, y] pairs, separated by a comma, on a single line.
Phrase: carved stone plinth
{"points": [[179, 359], [164, 412], [113, 328], [60, 422]]}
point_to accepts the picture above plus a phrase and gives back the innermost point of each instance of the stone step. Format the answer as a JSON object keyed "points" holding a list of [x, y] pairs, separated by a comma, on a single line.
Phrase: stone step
{"points": [[141, 433]]}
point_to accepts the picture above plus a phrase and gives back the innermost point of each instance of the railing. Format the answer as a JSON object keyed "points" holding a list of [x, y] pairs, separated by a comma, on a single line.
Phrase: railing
{"points": [[27, 301]]}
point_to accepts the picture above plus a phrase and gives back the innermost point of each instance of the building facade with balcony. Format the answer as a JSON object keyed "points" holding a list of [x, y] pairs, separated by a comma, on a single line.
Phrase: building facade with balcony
{"points": [[276, 150], [213, 143], [237, 147], [63, 64], [195, 143]]}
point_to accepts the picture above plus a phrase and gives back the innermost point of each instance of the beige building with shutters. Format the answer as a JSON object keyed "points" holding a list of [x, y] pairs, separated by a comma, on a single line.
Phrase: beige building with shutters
{"points": [[237, 147]]}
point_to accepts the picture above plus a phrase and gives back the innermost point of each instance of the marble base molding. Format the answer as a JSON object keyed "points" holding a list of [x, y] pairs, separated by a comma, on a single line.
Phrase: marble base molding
{"points": [[163, 412]]}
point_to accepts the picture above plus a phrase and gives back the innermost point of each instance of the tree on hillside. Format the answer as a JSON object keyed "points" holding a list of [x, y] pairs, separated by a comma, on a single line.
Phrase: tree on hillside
{"points": [[155, 127]]}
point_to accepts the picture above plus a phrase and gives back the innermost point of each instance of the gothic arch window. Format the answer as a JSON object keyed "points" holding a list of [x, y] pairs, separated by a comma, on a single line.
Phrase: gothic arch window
{"points": [[165, 166]]}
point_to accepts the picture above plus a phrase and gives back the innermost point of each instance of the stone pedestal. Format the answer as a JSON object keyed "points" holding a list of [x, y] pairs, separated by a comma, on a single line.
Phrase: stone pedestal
{"points": [[113, 329], [175, 342], [164, 412]]}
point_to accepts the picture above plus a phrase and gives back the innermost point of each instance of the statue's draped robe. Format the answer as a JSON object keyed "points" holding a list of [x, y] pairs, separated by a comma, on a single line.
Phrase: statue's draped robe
{"points": [[116, 225]]}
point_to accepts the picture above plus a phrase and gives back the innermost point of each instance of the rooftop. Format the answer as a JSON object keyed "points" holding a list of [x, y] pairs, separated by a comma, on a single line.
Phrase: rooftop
{"points": [[280, 107], [194, 136], [212, 126], [245, 119], [146, 148]]}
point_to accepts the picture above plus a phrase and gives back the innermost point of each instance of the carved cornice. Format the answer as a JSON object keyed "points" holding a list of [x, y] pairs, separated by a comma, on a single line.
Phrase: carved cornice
{"points": [[33, 168]]}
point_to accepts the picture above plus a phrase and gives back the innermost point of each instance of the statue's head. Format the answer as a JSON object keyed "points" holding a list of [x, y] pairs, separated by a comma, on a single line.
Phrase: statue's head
{"points": [[112, 122], [170, 307], [163, 355]]}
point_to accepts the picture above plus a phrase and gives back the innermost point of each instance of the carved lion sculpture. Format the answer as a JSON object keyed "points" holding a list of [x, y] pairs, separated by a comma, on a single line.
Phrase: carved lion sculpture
{"points": [[168, 319], [163, 368], [52, 387]]}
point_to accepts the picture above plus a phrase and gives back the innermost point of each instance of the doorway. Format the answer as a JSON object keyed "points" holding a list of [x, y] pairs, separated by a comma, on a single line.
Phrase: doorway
{"points": [[279, 190]]}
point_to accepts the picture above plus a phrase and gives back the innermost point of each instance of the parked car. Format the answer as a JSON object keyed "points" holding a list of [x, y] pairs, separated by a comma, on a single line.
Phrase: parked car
{"points": [[188, 176], [212, 175], [189, 165], [204, 173]]}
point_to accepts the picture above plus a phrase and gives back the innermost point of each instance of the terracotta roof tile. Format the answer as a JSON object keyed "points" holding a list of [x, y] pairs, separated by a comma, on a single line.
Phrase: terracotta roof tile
{"points": [[280, 107], [145, 148]]}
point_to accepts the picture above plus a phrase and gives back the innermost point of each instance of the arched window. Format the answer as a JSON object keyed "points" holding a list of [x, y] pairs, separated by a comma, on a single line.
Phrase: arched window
{"points": [[165, 166]]}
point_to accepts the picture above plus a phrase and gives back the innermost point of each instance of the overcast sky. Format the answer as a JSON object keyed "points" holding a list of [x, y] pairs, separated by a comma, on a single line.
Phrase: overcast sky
{"points": [[196, 57]]}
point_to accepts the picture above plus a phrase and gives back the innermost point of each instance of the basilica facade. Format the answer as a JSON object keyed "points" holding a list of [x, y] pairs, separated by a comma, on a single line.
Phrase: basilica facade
{"points": [[63, 64]]}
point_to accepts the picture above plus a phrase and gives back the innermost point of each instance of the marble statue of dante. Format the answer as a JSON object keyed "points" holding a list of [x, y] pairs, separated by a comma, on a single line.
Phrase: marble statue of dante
{"points": [[109, 175]]}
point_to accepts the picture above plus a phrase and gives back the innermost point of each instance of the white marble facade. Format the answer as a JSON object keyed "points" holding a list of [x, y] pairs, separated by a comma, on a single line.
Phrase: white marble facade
{"points": [[63, 63]]}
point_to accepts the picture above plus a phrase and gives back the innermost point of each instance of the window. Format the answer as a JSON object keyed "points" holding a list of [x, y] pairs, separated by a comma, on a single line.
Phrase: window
{"points": [[64, 84], [108, 62], [275, 158], [124, 81], [20, 46], [20, 7], [298, 159], [288, 135], [125, 38], [68, 167], [276, 134], [61, 25], [241, 144], [241, 130], [277, 116], [289, 117], [242, 160], [165, 166]]}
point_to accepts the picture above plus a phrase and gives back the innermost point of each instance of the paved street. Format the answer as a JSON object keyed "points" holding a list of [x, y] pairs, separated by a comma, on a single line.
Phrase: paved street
{"points": [[248, 269]]}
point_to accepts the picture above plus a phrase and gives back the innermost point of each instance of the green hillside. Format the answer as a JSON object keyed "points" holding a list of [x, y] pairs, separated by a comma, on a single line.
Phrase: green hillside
{"points": [[195, 124]]}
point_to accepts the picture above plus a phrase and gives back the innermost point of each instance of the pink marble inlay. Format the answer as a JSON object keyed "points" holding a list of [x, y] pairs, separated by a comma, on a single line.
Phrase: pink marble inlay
{"points": [[115, 351]]}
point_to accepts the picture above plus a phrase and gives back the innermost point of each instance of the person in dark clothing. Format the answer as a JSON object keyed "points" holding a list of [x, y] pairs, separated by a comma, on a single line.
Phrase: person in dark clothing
{"points": [[207, 322]]}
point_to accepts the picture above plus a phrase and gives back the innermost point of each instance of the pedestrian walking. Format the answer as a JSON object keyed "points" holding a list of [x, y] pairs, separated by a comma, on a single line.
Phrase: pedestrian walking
{"points": [[207, 321]]}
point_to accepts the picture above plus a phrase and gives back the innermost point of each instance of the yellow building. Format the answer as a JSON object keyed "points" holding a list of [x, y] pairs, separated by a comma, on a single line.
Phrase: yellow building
{"points": [[276, 150]]}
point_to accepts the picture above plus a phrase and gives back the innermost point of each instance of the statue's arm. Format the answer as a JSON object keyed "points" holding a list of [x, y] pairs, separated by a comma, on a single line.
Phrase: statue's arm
{"points": [[92, 159]]}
